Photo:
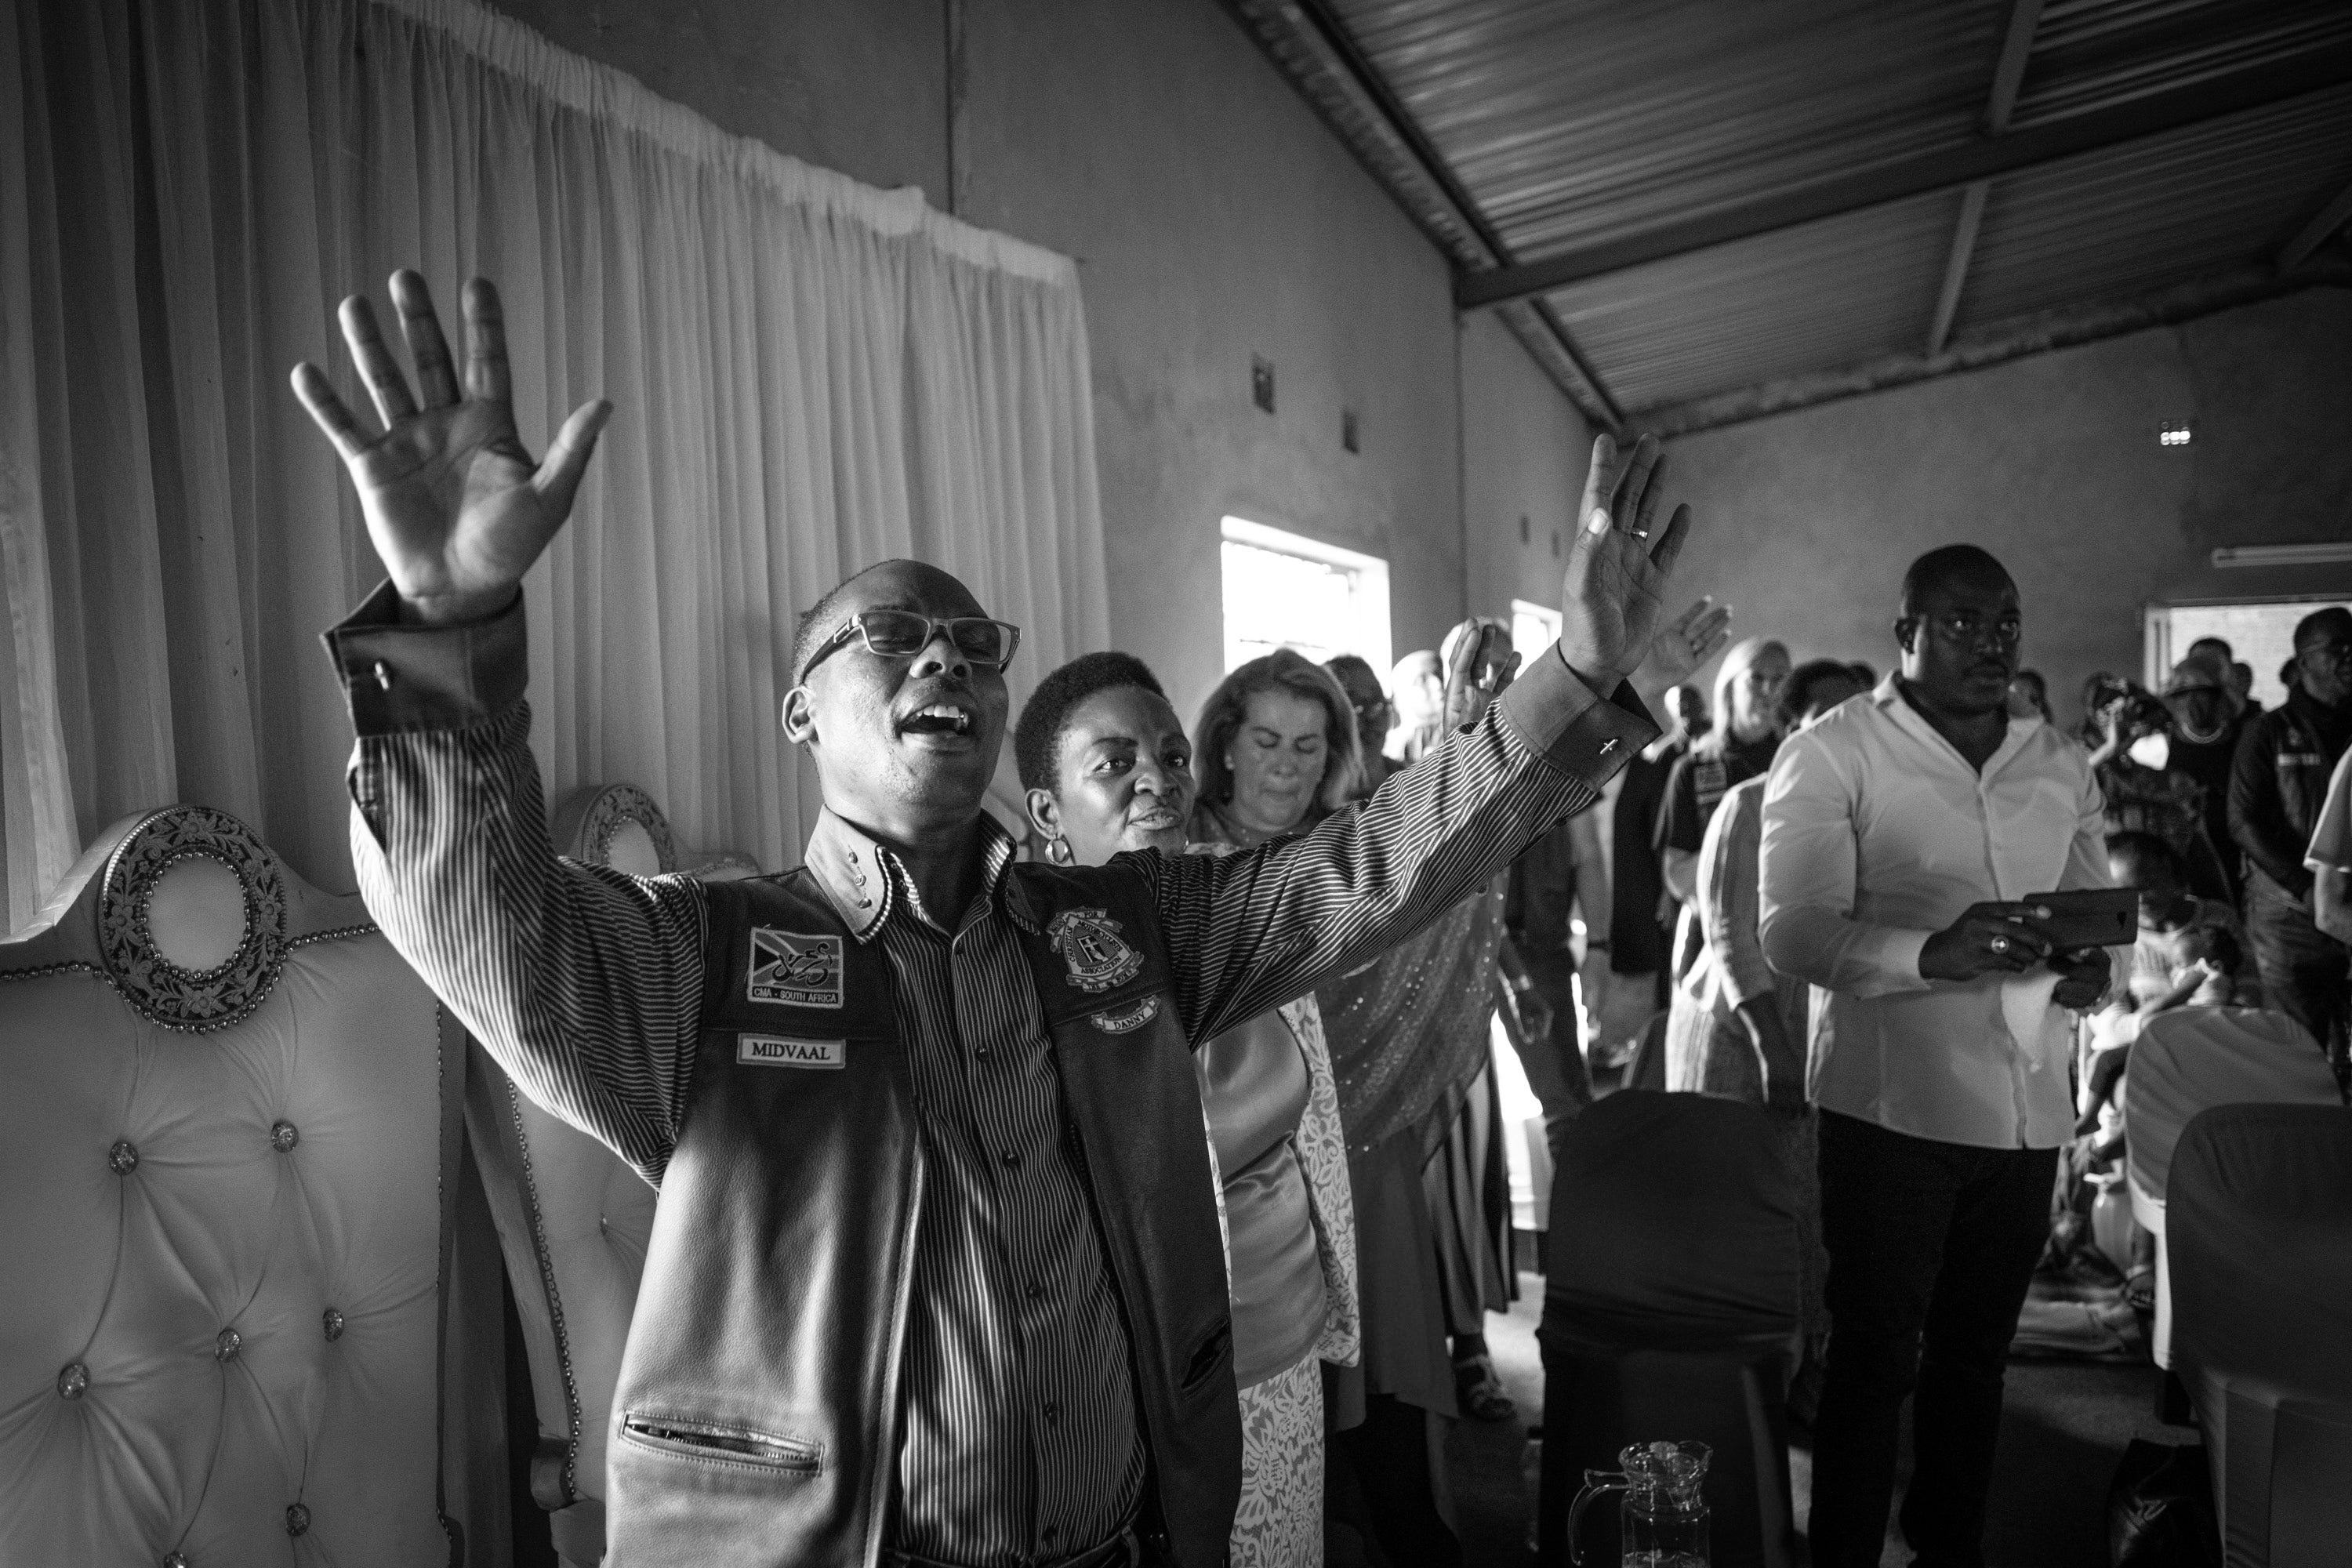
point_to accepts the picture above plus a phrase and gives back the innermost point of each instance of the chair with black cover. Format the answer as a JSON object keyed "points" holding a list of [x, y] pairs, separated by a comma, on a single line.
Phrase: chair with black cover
{"points": [[2188, 1061], [1671, 1311], [573, 1219], [2259, 1221]]}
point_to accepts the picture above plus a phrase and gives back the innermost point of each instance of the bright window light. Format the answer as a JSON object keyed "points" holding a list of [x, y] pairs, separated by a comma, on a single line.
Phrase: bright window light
{"points": [[1533, 629], [1285, 590], [2172, 436]]}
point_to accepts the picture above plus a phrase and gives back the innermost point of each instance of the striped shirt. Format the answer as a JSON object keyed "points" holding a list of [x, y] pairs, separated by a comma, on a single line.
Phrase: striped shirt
{"points": [[1021, 1439]]}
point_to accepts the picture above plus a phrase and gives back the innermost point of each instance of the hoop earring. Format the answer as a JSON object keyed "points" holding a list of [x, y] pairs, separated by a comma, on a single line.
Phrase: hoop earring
{"points": [[1059, 851]]}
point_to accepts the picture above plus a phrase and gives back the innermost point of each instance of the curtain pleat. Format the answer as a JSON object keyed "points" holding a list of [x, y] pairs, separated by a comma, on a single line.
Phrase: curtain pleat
{"points": [[810, 376]]}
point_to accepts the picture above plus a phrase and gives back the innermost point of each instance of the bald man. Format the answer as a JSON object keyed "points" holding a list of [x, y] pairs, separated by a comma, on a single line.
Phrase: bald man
{"points": [[936, 1278]]}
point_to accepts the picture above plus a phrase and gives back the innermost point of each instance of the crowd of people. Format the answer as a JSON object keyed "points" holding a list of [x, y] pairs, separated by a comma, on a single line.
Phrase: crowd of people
{"points": [[1148, 1206]]}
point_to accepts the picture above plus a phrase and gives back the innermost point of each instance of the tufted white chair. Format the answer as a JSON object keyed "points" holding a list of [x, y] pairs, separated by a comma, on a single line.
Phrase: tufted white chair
{"points": [[573, 1219], [229, 1119]]}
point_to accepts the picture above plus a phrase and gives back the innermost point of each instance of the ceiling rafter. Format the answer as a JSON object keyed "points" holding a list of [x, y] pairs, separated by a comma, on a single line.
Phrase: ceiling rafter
{"points": [[1952, 168], [1417, 175], [2008, 76], [2313, 235]]}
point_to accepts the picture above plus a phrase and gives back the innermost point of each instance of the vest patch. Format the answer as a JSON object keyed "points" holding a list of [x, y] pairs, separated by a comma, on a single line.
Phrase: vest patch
{"points": [[775, 1051], [797, 969], [1121, 1020], [1089, 942]]}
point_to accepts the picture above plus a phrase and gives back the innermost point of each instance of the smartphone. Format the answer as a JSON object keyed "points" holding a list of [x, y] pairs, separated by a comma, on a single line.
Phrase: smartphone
{"points": [[2090, 916]]}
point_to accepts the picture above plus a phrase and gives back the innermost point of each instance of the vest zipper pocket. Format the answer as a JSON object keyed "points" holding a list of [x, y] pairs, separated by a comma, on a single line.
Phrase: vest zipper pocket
{"points": [[722, 1445]]}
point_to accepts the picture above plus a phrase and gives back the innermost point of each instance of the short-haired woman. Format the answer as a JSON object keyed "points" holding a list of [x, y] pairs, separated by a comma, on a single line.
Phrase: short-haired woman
{"points": [[1108, 771]]}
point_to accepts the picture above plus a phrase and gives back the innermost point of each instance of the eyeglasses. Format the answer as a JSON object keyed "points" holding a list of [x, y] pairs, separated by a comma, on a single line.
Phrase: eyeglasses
{"points": [[2334, 651], [901, 634], [1968, 626]]}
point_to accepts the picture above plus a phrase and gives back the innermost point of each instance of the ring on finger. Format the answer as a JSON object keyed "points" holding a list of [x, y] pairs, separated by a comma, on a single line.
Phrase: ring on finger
{"points": [[1999, 945]]}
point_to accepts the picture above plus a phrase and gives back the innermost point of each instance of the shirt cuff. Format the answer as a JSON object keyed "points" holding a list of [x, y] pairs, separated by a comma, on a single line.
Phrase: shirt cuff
{"points": [[401, 677], [1567, 724]]}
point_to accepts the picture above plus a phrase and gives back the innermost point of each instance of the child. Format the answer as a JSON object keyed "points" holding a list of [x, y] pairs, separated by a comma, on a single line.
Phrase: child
{"points": [[2189, 953]]}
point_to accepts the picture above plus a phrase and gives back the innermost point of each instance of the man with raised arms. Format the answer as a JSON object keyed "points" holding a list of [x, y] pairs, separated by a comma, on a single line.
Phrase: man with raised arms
{"points": [[936, 1274]]}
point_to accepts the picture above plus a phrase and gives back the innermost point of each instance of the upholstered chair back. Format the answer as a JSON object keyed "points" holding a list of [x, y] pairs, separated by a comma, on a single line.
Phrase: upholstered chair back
{"points": [[229, 1134], [573, 1219]]}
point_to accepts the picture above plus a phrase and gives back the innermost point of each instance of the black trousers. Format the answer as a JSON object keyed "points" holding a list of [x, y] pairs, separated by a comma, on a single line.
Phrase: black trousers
{"points": [[1932, 1247], [2304, 969]]}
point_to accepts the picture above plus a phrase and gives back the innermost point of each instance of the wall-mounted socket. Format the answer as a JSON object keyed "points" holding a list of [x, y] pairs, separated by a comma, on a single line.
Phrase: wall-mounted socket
{"points": [[1348, 438], [1262, 383]]}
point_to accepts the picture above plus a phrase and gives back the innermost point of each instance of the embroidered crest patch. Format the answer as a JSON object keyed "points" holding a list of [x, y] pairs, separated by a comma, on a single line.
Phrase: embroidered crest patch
{"points": [[1089, 942], [788, 967], [1124, 1020], [774, 1051]]}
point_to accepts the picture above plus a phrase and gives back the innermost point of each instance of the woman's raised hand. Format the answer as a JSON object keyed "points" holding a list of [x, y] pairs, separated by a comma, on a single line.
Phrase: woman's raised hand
{"points": [[1617, 570], [456, 508]]}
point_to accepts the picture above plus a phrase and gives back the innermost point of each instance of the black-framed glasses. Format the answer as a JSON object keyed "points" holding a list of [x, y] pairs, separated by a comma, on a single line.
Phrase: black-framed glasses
{"points": [[902, 634]]}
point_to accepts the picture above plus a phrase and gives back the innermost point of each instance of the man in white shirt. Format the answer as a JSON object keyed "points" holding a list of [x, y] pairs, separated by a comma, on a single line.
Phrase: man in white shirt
{"points": [[1903, 837]]}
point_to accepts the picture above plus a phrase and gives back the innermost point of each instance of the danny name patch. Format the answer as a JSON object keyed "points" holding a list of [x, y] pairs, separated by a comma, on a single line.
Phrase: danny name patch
{"points": [[774, 1051], [800, 971]]}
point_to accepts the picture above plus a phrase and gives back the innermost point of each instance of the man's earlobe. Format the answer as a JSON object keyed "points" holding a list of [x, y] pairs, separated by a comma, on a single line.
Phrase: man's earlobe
{"points": [[799, 716]]}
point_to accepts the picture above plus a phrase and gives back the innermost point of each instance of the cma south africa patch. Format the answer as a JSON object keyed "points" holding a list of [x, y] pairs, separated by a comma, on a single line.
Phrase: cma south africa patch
{"points": [[795, 970]]}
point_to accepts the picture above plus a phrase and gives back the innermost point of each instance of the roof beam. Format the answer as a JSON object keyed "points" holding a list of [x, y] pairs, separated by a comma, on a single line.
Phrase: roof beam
{"points": [[2008, 76], [1949, 168], [2313, 234], [1319, 29]]}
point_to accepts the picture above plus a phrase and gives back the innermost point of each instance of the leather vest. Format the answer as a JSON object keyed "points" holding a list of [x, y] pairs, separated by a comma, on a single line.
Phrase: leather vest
{"points": [[756, 1420]]}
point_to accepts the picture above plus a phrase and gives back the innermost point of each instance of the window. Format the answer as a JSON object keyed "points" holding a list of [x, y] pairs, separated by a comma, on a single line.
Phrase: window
{"points": [[2260, 635], [1533, 629], [1284, 590]]}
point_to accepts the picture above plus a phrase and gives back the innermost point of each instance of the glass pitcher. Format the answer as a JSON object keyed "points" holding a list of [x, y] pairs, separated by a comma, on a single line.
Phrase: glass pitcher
{"points": [[1663, 1519]]}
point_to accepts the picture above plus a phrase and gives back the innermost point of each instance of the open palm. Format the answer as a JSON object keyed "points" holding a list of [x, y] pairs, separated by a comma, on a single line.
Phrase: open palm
{"points": [[454, 505], [1615, 586]]}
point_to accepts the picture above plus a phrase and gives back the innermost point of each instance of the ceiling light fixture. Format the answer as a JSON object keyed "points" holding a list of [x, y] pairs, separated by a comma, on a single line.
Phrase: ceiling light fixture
{"points": [[2172, 436]]}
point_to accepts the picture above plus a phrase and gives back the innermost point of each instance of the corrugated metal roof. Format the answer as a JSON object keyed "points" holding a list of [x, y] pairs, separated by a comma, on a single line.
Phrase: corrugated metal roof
{"points": [[2159, 212], [1571, 122], [1756, 310]]}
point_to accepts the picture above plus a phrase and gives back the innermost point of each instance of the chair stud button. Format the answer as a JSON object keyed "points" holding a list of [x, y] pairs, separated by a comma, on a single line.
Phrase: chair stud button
{"points": [[174, 1560], [73, 1381], [298, 1519], [226, 1345], [124, 1157], [332, 1322], [283, 1136]]}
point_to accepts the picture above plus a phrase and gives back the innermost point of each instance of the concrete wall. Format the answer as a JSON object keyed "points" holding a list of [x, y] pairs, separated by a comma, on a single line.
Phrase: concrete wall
{"points": [[1806, 521], [1525, 450], [1214, 219]]}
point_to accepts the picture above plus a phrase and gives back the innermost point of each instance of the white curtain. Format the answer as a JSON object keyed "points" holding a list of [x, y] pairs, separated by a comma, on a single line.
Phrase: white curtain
{"points": [[809, 374]]}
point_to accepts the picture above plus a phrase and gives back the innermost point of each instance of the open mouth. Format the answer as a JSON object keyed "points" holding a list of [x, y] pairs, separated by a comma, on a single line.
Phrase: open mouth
{"points": [[1158, 819], [937, 719]]}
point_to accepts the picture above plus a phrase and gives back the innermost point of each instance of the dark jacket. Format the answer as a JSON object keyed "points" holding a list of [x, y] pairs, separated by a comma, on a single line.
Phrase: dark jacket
{"points": [[755, 1421], [2277, 784]]}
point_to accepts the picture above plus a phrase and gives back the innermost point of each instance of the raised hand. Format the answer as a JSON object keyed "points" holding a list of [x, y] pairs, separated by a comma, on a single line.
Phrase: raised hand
{"points": [[1617, 570], [1479, 662], [1681, 646], [454, 503]]}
